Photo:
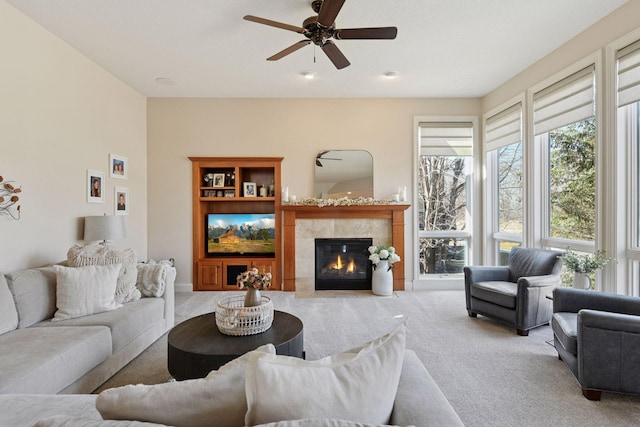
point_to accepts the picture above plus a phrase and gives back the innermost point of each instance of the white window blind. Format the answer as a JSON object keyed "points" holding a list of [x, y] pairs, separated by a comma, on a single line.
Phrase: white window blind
{"points": [[629, 74], [504, 128], [567, 101], [446, 138]]}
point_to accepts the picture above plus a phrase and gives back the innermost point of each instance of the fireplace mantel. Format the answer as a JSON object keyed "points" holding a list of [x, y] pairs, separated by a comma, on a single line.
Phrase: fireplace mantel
{"points": [[392, 212]]}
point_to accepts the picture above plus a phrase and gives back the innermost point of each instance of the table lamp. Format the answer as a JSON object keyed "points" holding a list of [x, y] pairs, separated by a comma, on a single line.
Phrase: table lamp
{"points": [[105, 228]]}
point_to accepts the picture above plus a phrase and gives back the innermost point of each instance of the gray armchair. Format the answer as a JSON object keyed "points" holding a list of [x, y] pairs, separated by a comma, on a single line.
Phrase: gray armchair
{"points": [[516, 294], [598, 336]]}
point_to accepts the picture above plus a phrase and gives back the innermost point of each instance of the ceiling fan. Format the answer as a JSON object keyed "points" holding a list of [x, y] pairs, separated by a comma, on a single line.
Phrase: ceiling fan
{"points": [[319, 157], [321, 28]]}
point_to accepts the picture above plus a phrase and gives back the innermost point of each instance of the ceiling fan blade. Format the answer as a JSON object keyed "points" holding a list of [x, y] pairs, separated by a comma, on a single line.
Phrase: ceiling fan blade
{"points": [[380, 33], [276, 24], [334, 54], [289, 50], [329, 11]]}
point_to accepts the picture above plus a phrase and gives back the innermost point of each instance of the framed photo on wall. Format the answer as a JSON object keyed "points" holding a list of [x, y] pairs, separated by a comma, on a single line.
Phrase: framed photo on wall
{"points": [[118, 166], [121, 204], [95, 186], [249, 189]]}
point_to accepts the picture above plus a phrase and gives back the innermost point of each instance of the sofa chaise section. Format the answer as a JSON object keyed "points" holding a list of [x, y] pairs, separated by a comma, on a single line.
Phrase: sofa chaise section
{"points": [[75, 355]]}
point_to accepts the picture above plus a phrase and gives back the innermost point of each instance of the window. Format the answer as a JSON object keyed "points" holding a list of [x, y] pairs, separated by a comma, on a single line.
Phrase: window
{"points": [[503, 144], [628, 123], [444, 171], [565, 131]]}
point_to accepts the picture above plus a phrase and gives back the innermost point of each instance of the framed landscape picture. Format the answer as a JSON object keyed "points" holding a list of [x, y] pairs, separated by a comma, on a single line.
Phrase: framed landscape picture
{"points": [[95, 186], [118, 166], [121, 204]]}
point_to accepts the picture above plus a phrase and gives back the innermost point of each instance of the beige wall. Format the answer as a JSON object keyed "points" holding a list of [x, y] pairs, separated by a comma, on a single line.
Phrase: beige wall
{"points": [[615, 25], [295, 129], [61, 114]]}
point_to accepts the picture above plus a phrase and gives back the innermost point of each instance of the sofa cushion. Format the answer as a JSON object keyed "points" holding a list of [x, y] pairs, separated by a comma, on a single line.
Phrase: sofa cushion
{"points": [[501, 293], [8, 312], [126, 324], [65, 421], [81, 291], [357, 386], [320, 422], [80, 256], [565, 328], [46, 360], [217, 400], [152, 279], [34, 292]]}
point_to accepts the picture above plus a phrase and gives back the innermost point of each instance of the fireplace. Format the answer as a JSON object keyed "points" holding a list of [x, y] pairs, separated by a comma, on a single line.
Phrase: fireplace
{"points": [[342, 264]]}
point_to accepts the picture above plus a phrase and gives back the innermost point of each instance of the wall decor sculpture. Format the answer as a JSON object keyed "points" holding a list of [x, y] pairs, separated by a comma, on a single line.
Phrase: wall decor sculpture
{"points": [[9, 199]]}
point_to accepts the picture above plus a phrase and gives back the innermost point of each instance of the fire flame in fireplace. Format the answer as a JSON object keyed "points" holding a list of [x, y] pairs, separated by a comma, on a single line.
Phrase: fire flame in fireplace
{"points": [[339, 265]]}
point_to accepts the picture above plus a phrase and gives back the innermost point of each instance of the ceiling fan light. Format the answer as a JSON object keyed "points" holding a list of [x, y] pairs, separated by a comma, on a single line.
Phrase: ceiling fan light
{"points": [[309, 75], [391, 74]]}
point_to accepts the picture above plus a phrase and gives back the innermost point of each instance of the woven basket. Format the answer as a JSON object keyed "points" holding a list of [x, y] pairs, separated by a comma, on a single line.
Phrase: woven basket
{"points": [[233, 318]]}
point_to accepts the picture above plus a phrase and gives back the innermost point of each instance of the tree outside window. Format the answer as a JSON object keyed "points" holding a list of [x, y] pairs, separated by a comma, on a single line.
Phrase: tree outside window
{"points": [[572, 181]]}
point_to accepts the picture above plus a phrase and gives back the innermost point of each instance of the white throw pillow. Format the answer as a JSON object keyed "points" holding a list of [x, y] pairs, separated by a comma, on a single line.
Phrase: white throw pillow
{"points": [[81, 291], [126, 290], [65, 421], [358, 385], [217, 400], [8, 312], [321, 422]]}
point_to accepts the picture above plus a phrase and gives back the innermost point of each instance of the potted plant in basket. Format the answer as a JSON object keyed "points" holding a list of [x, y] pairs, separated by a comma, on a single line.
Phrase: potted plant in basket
{"points": [[254, 281], [382, 258], [583, 265]]}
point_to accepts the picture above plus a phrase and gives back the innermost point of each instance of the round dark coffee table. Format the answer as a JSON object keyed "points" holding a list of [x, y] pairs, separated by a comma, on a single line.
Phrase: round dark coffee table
{"points": [[196, 346]]}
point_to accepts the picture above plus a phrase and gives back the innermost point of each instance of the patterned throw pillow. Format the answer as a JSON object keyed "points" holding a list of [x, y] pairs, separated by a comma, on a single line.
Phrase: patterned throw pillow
{"points": [[126, 290]]}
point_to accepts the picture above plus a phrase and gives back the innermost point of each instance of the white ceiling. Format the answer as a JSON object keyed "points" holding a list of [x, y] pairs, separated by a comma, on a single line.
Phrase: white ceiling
{"points": [[444, 48]]}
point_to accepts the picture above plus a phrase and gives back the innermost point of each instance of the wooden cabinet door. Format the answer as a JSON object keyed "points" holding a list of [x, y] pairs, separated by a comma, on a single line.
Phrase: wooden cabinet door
{"points": [[210, 275]]}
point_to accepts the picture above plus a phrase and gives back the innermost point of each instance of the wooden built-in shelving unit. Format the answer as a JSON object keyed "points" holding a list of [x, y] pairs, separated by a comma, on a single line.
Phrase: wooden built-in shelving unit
{"points": [[216, 273]]}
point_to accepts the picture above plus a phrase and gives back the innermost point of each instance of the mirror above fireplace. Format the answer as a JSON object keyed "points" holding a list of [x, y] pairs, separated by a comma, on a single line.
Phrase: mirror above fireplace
{"points": [[343, 173]]}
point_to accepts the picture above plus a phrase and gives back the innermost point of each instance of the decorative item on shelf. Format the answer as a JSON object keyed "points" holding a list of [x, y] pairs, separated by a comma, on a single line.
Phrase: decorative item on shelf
{"points": [[272, 189], [208, 179], [218, 180], [583, 265], [254, 281], [249, 189], [263, 191], [233, 318], [382, 259], [285, 194], [8, 199]]}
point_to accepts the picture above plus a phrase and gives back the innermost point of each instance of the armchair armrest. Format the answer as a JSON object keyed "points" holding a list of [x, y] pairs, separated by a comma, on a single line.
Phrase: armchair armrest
{"points": [[539, 281], [482, 273], [573, 300], [609, 321]]}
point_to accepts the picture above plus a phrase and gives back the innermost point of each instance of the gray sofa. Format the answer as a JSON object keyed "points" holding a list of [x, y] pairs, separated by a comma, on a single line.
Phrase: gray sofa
{"points": [[419, 402], [75, 355], [597, 335]]}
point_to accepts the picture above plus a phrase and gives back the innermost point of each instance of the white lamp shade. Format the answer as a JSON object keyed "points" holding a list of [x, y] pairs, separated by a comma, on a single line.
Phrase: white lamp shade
{"points": [[107, 227]]}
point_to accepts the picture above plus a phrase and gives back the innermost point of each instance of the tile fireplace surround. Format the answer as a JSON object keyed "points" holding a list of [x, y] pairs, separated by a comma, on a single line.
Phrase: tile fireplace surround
{"points": [[303, 224]]}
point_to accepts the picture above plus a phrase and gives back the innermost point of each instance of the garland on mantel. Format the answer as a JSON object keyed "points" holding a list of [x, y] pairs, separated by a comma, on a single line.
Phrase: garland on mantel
{"points": [[344, 201]]}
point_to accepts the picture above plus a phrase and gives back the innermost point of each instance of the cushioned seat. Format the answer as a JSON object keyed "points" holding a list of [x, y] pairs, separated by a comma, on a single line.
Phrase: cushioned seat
{"points": [[516, 294], [501, 293], [51, 358], [565, 327], [126, 323]]}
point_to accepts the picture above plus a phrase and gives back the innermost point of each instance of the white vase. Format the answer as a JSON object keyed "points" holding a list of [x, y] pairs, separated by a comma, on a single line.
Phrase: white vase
{"points": [[382, 279], [581, 281]]}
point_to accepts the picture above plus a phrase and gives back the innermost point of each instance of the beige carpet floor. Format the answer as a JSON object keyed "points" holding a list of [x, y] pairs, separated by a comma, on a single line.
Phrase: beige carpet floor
{"points": [[491, 376]]}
